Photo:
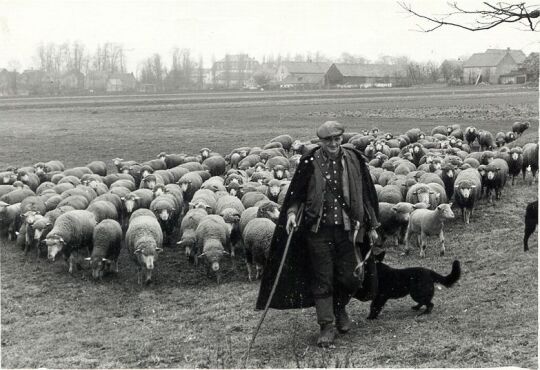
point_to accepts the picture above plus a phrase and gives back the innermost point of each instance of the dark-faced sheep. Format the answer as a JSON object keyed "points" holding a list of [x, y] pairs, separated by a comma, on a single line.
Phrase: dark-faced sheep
{"points": [[188, 226], [467, 192], [520, 127], [530, 161], [394, 219], [496, 174], [531, 220], [72, 232], [485, 139], [515, 162]]}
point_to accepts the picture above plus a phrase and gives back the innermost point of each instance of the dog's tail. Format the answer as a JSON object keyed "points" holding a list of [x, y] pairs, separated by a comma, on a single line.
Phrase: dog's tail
{"points": [[450, 279]]}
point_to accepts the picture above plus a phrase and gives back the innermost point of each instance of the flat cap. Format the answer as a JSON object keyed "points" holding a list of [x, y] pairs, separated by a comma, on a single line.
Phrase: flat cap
{"points": [[329, 129]]}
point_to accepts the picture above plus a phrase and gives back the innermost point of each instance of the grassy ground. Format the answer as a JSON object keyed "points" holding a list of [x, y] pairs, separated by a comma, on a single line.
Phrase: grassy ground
{"points": [[51, 319]]}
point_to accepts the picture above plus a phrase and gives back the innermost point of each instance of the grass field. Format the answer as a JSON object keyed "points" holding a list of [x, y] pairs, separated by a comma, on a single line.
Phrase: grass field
{"points": [[51, 319]]}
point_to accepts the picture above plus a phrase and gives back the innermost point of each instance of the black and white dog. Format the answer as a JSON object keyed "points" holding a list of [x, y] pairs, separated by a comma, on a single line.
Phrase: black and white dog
{"points": [[531, 220], [418, 282]]}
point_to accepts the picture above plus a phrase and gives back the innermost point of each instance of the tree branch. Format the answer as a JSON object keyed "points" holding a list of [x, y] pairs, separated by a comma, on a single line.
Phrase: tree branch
{"points": [[484, 19]]}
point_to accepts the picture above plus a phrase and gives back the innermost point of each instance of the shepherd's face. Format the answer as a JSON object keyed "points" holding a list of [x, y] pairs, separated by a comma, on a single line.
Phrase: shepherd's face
{"points": [[332, 144]]}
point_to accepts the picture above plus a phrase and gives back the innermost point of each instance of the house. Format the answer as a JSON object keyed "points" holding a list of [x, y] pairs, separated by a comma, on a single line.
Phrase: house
{"points": [[345, 75], [490, 65], [8, 83], [301, 74], [96, 81], [233, 71], [72, 81], [37, 82], [121, 82]]}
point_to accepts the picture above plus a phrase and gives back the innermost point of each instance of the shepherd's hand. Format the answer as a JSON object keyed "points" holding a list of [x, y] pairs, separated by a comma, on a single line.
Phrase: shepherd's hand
{"points": [[373, 236], [291, 223]]}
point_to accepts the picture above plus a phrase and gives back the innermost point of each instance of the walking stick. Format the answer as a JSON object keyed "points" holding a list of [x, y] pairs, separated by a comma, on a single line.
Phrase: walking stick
{"points": [[299, 218]]}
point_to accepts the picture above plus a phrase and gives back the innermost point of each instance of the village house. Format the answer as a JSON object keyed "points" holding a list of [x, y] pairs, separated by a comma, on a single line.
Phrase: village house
{"points": [[72, 81], [37, 82], [491, 65], [233, 71], [344, 75], [301, 74], [95, 81], [8, 83], [121, 82]]}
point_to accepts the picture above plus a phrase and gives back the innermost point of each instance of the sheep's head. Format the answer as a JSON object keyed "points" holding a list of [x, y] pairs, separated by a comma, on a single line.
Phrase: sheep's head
{"points": [[205, 153], [55, 244], [185, 184], [158, 190], [465, 188], [269, 210], [162, 156], [279, 172], [188, 242], [445, 211], [41, 225], [402, 211]]}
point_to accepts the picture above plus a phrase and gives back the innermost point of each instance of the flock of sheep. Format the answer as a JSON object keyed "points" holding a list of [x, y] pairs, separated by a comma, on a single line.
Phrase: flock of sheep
{"points": [[212, 206]]}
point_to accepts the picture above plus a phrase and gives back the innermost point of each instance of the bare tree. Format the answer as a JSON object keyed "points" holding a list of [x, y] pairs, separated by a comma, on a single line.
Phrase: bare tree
{"points": [[490, 16]]}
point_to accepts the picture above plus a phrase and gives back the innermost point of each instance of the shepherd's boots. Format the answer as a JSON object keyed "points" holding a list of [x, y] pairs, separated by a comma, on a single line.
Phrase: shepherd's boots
{"points": [[325, 318], [343, 322]]}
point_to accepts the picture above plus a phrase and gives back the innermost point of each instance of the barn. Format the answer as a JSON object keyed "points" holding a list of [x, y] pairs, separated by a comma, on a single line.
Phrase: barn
{"points": [[344, 75], [301, 74], [491, 65]]}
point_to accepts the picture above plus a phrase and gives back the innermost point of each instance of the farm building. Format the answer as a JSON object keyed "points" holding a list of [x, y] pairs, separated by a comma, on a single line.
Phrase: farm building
{"points": [[490, 65], [301, 74], [233, 71], [121, 82], [365, 75], [96, 81], [72, 81], [8, 83], [513, 77], [36, 82]]}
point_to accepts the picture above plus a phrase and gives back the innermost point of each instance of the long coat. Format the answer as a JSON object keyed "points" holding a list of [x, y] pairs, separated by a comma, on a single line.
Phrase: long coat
{"points": [[293, 289]]}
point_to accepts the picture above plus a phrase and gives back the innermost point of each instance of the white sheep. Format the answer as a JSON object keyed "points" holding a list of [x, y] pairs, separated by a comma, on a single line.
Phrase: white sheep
{"points": [[144, 240], [107, 238], [211, 240], [257, 238], [426, 222], [72, 231]]}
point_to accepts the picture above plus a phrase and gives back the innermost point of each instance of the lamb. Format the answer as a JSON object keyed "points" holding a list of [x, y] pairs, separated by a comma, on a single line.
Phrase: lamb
{"points": [[515, 162], [144, 240], [520, 127], [10, 219], [103, 210], [394, 219], [531, 220], [107, 239], [72, 232], [530, 160], [257, 238], [211, 236], [496, 174], [424, 223], [98, 167], [188, 226]]}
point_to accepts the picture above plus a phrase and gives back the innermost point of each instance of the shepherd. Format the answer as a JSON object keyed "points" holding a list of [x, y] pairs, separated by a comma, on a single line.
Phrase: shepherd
{"points": [[330, 259]]}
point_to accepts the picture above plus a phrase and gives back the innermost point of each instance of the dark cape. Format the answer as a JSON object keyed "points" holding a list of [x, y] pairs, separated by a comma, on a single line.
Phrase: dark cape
{"points": [[293, 289]]}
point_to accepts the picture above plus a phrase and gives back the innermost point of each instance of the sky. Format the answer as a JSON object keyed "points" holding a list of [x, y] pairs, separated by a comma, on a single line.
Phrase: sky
{"points": [[212, 28]]}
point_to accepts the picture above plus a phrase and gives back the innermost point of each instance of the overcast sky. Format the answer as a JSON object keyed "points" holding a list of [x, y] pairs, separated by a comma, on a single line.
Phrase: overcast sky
{"points": [[371, 28]]}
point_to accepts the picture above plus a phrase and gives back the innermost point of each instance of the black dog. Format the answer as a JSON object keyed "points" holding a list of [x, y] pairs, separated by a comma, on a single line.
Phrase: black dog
{"points": [[416, 281], [531, 220]]}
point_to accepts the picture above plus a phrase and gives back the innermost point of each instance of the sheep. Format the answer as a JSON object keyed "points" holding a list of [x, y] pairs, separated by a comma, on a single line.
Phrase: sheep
{"points": [[120, 191], [211, 236], [192, 166], [531, 220], [144, 240], [16, 196], [7, 177], [72, 231], [394, 219], [77, 171], [215, 183], [391, 194], [140, 198], [30, 179], [471, 134], [257, 238], [156, 164], [10, 219], [171, 160], [509, 137], [82, 190], [114, 199], [530, 160], [215, 165], [76, 201], [120, 163], [188, 226], [496, 174], [231, 202], [167, 210], [190, 183], [520, 127], [426, 222], [468, 188], [443, 130], [249, 161], [515, 162], [124, 183], [50, 166], [439, 194], [107, 239], [500, 139], [250, 198], [152, 180], [285, 140], [431, 177], [205, 199], [419, 193], [485, 139], [103, 210], [415, 134], [98, 167]]}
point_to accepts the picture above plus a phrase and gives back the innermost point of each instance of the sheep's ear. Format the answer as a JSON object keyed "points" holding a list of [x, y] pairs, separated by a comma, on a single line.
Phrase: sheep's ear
{"points": [[208, 208], [88, 259], [159, 250], [450, 205], [456, 186], [179, 243], [49, 223]]}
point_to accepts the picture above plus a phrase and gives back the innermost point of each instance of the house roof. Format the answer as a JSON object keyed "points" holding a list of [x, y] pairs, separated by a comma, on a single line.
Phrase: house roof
{"points": [[368, 70], [303, 79], [307, 67], [492, 58], [124, 77]]}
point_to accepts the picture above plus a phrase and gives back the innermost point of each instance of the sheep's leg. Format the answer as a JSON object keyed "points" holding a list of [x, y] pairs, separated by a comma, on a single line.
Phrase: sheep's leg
{"points": [[464, 214], [116, 269], [468, 213], [249, 271], [423, 244], [139, 275], [70, 263], [441, 238], [408, 241]]}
